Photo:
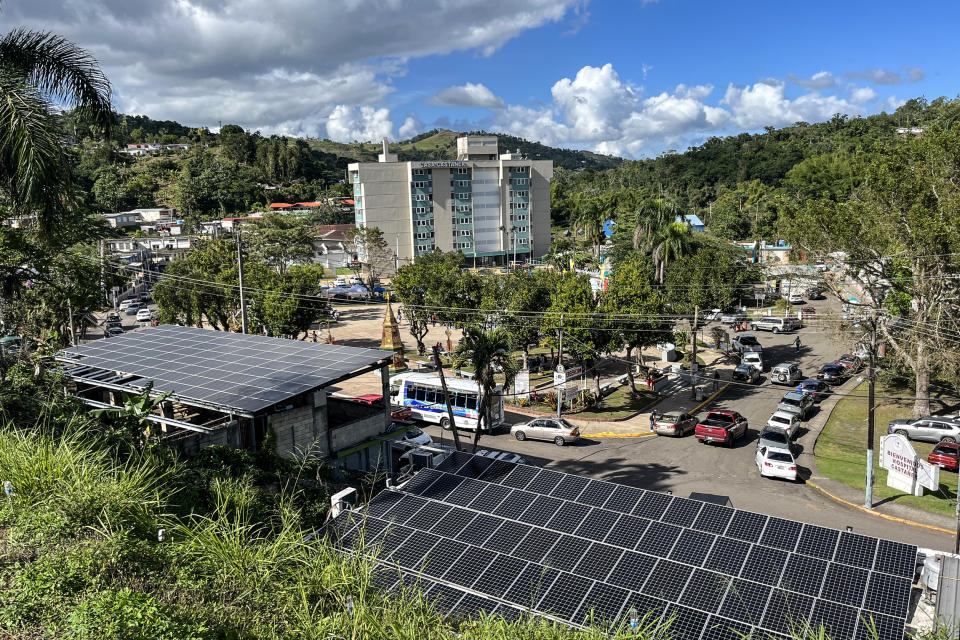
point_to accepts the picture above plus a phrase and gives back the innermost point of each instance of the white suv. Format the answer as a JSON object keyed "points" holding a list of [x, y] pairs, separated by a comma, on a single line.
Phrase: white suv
{"points": [[777, 325]]}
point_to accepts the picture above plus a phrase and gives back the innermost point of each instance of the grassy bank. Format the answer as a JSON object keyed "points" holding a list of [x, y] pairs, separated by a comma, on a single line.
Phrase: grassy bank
{"points": [[841, 448], [620, 404]]}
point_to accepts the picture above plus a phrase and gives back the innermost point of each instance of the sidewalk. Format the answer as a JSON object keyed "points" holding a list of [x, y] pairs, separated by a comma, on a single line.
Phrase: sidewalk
{"points": [[854, 498]]}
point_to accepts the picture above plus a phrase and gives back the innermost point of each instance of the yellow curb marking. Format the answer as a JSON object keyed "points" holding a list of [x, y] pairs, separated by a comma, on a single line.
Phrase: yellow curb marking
{"points": [[877, 513], [710, 399], [611, 434]]}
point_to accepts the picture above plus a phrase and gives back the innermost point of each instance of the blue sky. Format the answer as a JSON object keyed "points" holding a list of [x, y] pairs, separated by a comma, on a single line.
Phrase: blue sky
{"points": [[629, 77]]}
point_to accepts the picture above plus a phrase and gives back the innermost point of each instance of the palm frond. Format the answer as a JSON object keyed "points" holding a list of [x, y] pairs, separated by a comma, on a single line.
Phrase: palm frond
{"points": [[59, 70], [32, 164]]}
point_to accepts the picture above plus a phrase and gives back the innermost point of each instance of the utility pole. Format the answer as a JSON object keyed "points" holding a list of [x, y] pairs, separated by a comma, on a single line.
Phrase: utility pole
{"points": [[103, 273], [446, 399], [693, 362], [868, 503], [560, 391], [243, 303], [73, 338]]}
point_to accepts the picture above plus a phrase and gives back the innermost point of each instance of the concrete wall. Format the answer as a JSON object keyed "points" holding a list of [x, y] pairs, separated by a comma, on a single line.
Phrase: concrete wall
{"points": [[294, 430], [353, 433], [228, 436]]}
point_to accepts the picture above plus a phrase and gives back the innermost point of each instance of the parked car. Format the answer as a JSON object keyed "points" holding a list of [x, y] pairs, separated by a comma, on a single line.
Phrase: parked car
{"points": [[144, 315], [776, 463], [776, 325], [786, 374], [786, 421], [793, 322], [397, 413], [411, 439], [773, 436], [506, 456], [928, 429], [746, 373], [113, 331], [134, 308], [340, 282], [796, 402], [816, 388], [832, 373], [721, 426], [733, 317], [850, 361], [113, 316], [674, 425], [795, 297], [746, 343], [814, 293], [945, 455], [557, 430], [808, 313], [713, 315], [114, 323], [124, 304], [753, 359]]}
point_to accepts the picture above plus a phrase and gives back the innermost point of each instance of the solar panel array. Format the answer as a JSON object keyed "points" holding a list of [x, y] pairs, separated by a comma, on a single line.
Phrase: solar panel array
{"points": [[242, 371], [482, 535]]}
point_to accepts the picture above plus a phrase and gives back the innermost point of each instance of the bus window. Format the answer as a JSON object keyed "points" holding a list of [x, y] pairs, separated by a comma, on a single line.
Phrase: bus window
{"points": [[472, 402], [461, 401], [431, 396], [421, 393]]}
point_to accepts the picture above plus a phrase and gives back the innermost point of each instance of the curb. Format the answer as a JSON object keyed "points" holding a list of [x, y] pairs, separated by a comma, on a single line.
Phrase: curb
{"points": [[877, 513], [709, 399], [610, 434]]}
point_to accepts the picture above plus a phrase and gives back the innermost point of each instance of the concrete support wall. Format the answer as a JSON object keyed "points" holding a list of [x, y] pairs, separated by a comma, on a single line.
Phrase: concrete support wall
{"points": [[228, 436]]}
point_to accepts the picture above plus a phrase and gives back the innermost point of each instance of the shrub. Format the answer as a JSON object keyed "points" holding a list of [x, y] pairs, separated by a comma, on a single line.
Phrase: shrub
{"points": [[129, 615]]}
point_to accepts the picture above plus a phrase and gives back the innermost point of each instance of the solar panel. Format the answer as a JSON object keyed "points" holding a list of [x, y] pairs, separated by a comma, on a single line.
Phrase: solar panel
{"points": [[569, 550], [241, 371]]}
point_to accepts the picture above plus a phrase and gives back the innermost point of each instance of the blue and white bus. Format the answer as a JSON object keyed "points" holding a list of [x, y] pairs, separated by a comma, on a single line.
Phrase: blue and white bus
{"points": [[423, 394]]}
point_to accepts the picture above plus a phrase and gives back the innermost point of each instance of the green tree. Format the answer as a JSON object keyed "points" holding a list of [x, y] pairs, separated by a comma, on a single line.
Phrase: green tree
{"points": [[375, 258], [636, 309], [574, 311], [434, 284], [281, 241], [714, 275], [134, 416], [488, 354], [39, 70]]}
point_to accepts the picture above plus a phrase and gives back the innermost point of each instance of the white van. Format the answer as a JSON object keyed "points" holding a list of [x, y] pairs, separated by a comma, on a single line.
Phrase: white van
{"points": [[777, 325]]}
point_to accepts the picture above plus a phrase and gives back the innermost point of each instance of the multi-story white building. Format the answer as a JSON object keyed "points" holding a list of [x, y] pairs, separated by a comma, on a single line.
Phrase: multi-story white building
{"points": [[493, 207]]}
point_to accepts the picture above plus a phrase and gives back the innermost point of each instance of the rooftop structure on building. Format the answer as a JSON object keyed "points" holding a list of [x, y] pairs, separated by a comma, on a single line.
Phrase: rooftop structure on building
{"points": [[232, 389], [492, 206], [150, 148]]}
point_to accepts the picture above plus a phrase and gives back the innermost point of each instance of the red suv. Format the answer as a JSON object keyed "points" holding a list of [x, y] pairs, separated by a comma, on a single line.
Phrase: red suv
{"points": [[945, 455]]}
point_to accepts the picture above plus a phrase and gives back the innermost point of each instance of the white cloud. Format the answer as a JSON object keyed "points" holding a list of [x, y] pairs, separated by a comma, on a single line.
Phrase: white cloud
{"points": [[282, 68], [859, 95], [410, 127], [914, 74], [594, 103], [363, 124], [819, 80], [468, 95], [766, 104]]}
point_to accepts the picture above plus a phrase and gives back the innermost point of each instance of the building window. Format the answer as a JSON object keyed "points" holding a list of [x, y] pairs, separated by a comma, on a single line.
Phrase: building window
{"points": [[463, 196], [464, 232], [461, 172], [521, 194], [463, 208], [420, 185], [522, 241], [521, 169], [464, 221], [421, 172]]}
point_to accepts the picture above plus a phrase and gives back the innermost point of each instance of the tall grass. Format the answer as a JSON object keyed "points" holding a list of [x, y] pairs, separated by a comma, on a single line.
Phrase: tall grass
{"points": [[79, 558]]}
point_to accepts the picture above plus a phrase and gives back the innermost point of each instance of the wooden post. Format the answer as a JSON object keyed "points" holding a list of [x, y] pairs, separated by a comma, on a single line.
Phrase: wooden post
{"points": [[446, 399]]}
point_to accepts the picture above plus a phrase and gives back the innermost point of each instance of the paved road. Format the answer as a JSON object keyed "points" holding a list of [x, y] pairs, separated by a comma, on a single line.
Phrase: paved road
{"points": [[684, 465]]}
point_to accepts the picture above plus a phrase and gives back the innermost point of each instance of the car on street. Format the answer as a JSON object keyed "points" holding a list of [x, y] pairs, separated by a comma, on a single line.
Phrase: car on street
{"points": [[113, 316], [340, 282], [754, 359], [816, 388], [144, 315], [556, 430], [113, 331], [814, 293], [411, 439], [798, 403], [928, 429], [733, 317], [674, 425], [793, 322], [134, 308], [776, 463], [774, 437], [786, 421], [746, 343], [506, 456], [776, 325], [721, 425], [832, 374], [786, 374], [808, 313], [746, 373], [945, 455], [795, 297], [850, 361]]}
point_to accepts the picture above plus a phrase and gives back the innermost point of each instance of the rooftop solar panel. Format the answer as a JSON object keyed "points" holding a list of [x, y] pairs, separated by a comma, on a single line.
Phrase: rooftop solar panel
{"points": [[216, 367], [570, 550]]}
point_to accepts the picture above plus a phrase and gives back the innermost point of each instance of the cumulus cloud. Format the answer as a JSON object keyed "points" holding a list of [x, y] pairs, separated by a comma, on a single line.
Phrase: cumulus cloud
{"points": [[859, 95], [410, 127], [468, 95], [819, 80], [347, 123], [766, 104], [876, 76], [594, 102], [281, 70]]}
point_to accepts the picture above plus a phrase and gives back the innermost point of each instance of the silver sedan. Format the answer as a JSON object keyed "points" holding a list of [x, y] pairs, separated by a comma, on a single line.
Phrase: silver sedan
{"points": [[929, 429], [557, 430]]}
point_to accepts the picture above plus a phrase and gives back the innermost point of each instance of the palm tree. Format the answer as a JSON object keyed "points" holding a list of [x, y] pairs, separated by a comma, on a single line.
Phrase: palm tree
{"points": [[590, 218], [672, 243], [40, 71], [488, 354]]}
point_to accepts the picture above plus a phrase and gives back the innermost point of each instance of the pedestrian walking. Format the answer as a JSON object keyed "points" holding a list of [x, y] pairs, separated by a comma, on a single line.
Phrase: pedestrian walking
{"points": [[399, 316], [653, 419], [716, 380], [796, 343], [433, 319]]}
